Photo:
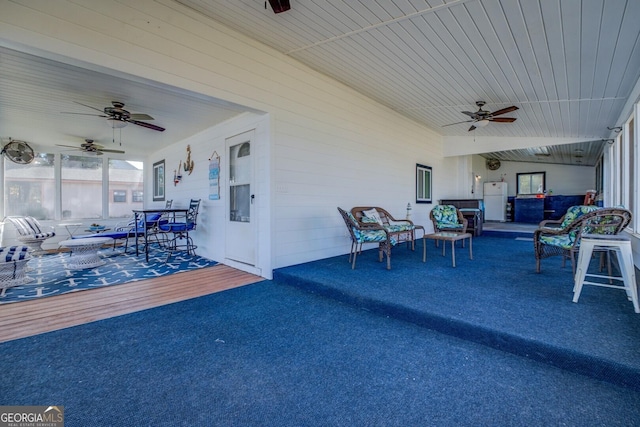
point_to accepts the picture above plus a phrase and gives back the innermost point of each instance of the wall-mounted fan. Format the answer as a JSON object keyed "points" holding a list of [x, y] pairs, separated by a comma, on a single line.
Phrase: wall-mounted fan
{"points": [[118, 117], [89, 146], [482, 117], [278, 6], [18, 152]]}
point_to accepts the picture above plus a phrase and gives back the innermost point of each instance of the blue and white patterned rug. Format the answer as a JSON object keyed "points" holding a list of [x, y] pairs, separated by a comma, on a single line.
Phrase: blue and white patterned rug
{"points": [[51, 275]]}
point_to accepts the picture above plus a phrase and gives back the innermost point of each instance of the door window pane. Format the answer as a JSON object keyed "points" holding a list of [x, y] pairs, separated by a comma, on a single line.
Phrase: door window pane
{"points": [[239, 182]]}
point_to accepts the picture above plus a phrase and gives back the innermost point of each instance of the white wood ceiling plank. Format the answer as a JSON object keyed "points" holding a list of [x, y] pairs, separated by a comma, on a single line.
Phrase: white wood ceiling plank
{"points": [[524, 53], [505, 71], [540, 46], [571, 12], [590, 34], [610, 24], [555, 44], [626, 60]]}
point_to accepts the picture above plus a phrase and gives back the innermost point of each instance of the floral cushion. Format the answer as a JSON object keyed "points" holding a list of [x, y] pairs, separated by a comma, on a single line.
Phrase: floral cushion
{"points": [[575, 212], [564, 241], [446, 216], [399, 227], [372, 214]]}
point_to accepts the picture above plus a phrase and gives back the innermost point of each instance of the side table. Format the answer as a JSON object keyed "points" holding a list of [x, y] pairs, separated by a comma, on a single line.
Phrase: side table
{"points": [[84, 252]]}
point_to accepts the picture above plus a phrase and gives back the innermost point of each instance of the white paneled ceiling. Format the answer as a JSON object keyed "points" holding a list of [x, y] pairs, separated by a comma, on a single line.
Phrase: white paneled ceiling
{"points": [[570, 66], [37, 94]]}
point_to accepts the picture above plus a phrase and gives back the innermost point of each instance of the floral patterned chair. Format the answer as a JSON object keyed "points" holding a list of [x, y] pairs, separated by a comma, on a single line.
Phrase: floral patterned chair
{"points": [[403, 230], [448, 218], [564, 240], [371, 232]]}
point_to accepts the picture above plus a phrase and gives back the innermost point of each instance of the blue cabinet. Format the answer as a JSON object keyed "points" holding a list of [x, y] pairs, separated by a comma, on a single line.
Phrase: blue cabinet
{"points": [[529, 210]]}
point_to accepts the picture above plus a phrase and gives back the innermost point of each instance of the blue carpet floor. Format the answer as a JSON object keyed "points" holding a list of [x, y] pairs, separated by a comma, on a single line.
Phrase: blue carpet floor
{"points": [[322, 345], [51, 276], [496, 299], [270, 355]]}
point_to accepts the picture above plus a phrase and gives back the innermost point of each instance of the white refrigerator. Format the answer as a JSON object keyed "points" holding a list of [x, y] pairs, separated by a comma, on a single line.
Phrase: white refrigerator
{"points": [[495, 201]]}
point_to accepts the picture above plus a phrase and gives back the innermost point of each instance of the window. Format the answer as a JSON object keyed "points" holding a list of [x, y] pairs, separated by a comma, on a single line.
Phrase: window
{"points": [[531, 183], [81, 186], [30, 189], [119, 196], [124, 177], [423, 184], [69, 187]]}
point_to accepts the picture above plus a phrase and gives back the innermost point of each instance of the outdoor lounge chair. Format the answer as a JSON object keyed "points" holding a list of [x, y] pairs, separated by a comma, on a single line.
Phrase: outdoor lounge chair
{"points": [[565, 240], [367, 233], [127, 231], [30, 232]]}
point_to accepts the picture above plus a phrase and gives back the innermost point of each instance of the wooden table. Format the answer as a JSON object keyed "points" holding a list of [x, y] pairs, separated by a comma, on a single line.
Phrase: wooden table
{"points": [[452, 237]]}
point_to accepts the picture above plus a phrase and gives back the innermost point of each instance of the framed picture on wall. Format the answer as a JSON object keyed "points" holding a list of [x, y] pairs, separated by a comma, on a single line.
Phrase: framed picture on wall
{"points": [[423, 183], [158, 181]]}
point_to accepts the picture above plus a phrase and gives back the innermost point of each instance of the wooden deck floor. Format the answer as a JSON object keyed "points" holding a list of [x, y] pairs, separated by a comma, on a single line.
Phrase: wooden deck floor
{"points": [[23, 319]]}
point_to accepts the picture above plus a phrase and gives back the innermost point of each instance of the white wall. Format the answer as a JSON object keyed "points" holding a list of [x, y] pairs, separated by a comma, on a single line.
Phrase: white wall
{"points": [[210, 235], [564, 180], [328, 145]]}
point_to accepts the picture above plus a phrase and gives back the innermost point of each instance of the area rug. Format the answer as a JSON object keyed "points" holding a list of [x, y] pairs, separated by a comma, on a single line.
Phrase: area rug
{"points": [[51, 276]]}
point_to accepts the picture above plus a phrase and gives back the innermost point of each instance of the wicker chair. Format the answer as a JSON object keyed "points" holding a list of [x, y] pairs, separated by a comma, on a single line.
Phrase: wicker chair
{"points": [[367, 233], [565, 240], [448, 218], [402, 230], [30, 232]]}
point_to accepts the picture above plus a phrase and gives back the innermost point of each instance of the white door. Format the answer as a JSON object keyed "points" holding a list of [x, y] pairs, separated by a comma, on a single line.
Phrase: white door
{"points": [[240, 233]]}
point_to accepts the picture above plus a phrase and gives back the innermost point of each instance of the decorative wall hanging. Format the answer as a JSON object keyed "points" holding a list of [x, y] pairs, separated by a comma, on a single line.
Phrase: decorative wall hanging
{"points": [[214, 176], [188, 164], [177, 174]]}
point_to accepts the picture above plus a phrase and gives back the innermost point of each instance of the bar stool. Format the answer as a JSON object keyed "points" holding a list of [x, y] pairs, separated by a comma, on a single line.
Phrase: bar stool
{"points": [[621, 245]]}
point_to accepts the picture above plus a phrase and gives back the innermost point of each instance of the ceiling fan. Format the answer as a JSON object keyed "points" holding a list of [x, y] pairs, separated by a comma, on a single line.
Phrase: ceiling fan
{"points": [[118, 117], [482, 117], [278, 6], [18, 152], [89, 146]]}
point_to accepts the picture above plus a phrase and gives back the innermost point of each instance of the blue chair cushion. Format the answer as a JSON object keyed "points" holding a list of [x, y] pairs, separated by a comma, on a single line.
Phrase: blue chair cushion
{"points": [[14, 253], [170, 227]]}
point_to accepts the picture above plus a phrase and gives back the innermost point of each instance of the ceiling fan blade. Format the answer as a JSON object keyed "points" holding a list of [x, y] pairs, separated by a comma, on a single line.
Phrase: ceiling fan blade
{"points": [[146, 125], [505, 110], [503, 119], [84, 114], [110, 151], [140, 116], [472, 128], [451, 124], [89, 106], [70, 146], [279, 6], [469, 113]]}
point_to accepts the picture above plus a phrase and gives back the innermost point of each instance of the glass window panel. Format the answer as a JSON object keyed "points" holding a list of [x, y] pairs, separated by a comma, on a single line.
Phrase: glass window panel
{"points": [[30, 189], [125, 177], [81, 187], [531, 183]]}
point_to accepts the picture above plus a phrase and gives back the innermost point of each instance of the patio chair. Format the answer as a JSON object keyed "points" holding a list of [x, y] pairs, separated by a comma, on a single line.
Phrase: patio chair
{"points": [[372, 232], [126, 231], [565, 240], [179, 228], [30, 232], [402, 230], [448, 218]]}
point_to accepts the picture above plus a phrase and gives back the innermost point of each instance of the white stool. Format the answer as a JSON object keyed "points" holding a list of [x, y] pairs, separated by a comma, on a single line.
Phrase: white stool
{"points": [[602, 242]]}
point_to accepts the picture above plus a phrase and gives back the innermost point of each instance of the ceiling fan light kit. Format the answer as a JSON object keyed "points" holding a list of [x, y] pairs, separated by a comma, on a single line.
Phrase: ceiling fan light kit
{"points": [[116, 123]]}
